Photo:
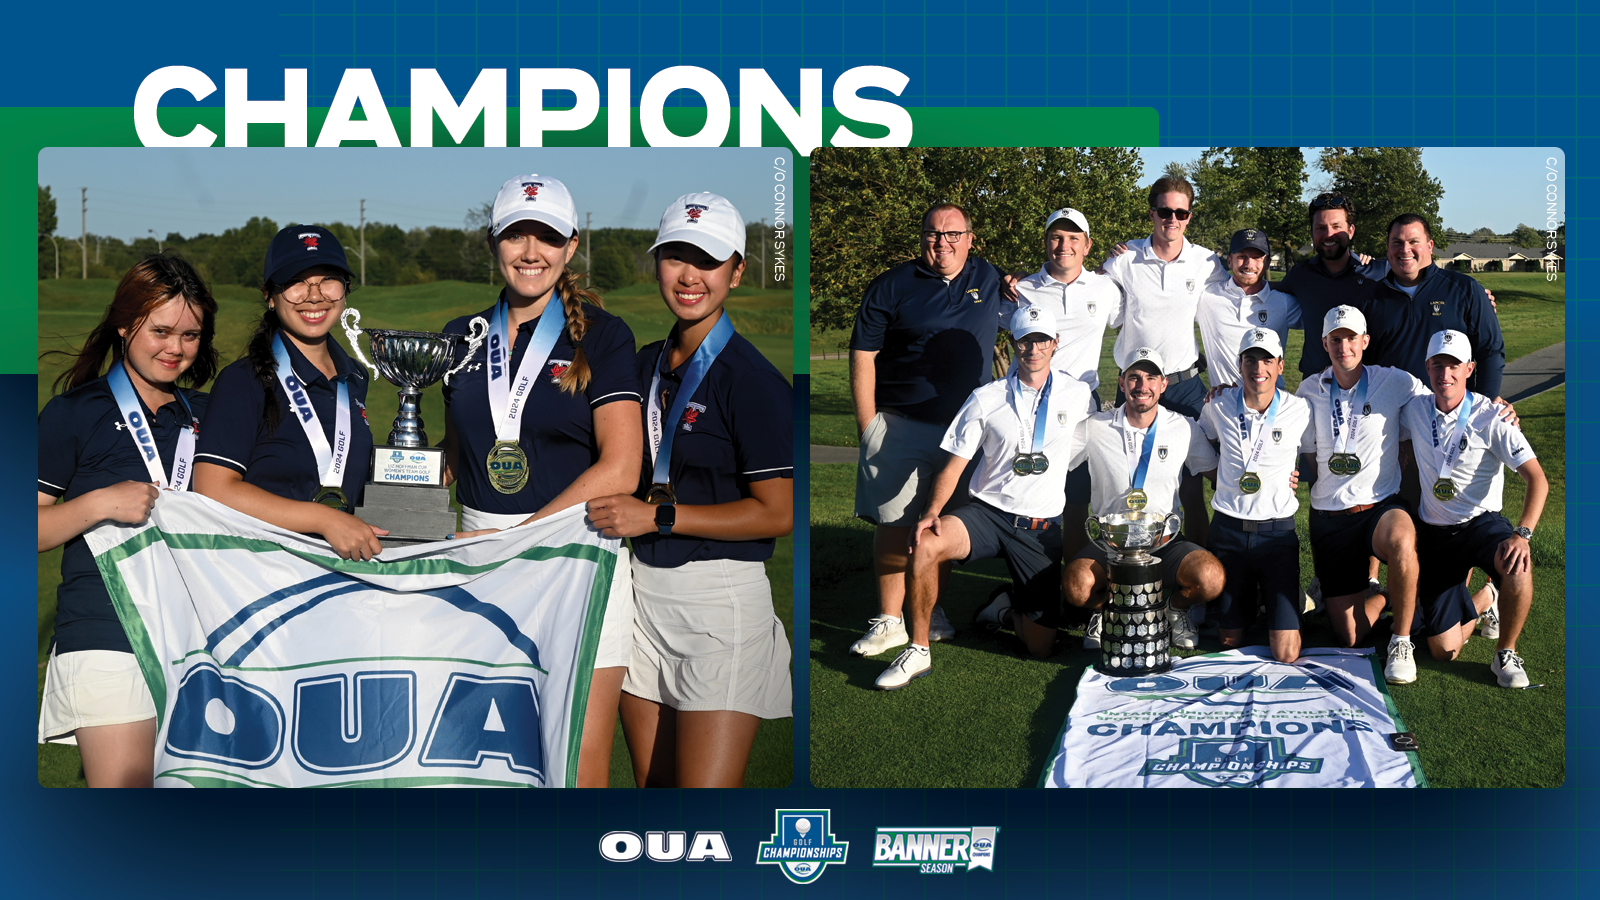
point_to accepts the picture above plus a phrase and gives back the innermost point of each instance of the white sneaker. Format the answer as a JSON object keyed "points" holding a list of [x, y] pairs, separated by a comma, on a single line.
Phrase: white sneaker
{"points": [[1401, 668], [1091, 633], [912, 663], [939, 628], [886, 633], [1507, 666], [1311, 600], [994, 614], [1489, 620], [1182, 628]]}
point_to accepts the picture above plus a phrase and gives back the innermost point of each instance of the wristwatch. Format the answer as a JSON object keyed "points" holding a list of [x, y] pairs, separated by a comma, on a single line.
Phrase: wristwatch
{"points": [[1523, 532], [666, 515]]}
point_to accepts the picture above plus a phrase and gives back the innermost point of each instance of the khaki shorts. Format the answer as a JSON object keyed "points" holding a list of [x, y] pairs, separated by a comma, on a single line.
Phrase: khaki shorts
{"points": [[91, 687], [616, 630], [899, 459], [706, 638]]}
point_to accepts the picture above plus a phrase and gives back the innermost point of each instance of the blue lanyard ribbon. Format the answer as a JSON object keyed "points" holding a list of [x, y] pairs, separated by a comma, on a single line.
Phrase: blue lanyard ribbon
{"points": [[699, 364], [1254, 456], [1450, 449], [1357, 403], [1144, 455], [331, 458], [1041, 414], [507, 402], [144, 438]]}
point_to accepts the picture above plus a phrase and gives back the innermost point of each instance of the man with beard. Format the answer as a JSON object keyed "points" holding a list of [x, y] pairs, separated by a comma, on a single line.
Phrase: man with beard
{"points": [[1244, 303], [1335, 276]]}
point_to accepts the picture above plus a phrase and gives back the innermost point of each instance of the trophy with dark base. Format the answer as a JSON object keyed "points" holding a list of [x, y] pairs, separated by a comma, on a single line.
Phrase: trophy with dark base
{"points": [[1134, 639], [406, 494]]}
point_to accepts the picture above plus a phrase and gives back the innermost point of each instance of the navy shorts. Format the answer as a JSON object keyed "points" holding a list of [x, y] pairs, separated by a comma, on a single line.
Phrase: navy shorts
{"points": [[1187, 396], [1032, 555], [1341, 545], [1446, 554], [1171, 557], [1263, 568]]}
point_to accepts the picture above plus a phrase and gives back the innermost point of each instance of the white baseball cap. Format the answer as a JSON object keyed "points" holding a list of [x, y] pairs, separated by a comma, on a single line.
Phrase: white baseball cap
{"points": [[536, 197], [1071, 215], [1143, 356], [1449, 343], [1032, 320], [705, 220], [1262, 339], [1344, 317]]}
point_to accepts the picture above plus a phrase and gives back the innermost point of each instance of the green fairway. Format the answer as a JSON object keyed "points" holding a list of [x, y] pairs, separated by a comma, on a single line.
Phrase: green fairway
{"points": [[69, 308], [988, 717]]}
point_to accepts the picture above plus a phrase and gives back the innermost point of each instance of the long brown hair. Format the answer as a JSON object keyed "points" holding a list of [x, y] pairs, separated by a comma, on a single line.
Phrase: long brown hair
{"points": [[151, 282]]}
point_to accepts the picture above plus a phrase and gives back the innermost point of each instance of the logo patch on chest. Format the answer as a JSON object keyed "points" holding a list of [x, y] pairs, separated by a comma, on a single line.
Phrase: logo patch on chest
{"points": [[691, 415], [558, 368]]}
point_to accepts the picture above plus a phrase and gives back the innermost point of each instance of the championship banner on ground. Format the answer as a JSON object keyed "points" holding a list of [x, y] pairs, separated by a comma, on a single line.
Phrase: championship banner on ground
{"points": [[1237, 719], [273, 663]]}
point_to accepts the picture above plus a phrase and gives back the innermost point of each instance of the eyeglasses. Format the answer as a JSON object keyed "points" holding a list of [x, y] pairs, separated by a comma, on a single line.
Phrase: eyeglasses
{"points": [[1330, 201], [1167, 212], [330, 289], [1029, 343], [950, 237]]}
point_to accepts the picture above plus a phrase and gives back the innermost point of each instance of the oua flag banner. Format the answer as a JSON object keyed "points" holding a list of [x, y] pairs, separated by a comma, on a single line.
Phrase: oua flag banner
{"points": [[274, 663], [1238, 719]]}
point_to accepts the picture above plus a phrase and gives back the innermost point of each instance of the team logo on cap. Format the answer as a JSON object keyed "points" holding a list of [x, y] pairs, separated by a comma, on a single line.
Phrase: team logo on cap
{"points": [[1033, 316], [1448, 337], [1341, 312], [694, 211], [310, 239], [530, 189], [1143, 353], [1261, 335], [1249, 235]]}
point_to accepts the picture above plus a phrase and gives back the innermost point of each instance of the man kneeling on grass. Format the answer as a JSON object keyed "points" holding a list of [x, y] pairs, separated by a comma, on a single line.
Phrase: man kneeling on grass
{"points": [[1461, 443], [1028, 430]]}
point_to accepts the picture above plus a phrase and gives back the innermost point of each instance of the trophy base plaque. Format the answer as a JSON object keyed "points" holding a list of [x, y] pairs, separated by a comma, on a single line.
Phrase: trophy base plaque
{"points": [[1134, 638], [411, 514]]}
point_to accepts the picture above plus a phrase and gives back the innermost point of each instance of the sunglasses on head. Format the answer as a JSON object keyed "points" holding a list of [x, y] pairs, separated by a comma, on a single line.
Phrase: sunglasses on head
{"points": [[1167, 212], [1330, 201]]}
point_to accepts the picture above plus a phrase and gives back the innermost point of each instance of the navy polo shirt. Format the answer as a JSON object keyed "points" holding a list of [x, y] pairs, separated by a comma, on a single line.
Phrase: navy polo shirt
{"points": [[1317, 290], [281, 461], [557, 427], [738, 428], [1401, 326], [84, 446], [935, 339]]}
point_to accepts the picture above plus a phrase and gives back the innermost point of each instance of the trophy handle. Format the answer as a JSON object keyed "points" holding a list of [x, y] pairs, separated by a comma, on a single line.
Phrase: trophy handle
{"points": [[479, 331], [351, 320], [1169, 529], [1091, 528]]}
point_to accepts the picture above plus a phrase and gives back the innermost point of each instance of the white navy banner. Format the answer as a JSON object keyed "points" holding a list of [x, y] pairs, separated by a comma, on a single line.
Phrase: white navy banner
{"points": [[275, 663], [1237, 719]]}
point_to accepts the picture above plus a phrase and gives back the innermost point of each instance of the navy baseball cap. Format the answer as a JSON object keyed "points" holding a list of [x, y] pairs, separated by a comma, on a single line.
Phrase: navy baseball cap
{"points": [[1249, 239], [300, 247]]}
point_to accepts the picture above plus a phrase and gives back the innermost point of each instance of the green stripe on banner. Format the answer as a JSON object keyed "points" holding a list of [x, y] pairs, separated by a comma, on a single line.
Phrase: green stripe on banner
{"points": [[1394, 714], [599, 593], [155, 677], [355, 659]]}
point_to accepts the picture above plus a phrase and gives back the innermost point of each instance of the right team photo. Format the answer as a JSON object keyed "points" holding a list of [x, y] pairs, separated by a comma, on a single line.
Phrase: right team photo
{"points": [[1187, 467]]}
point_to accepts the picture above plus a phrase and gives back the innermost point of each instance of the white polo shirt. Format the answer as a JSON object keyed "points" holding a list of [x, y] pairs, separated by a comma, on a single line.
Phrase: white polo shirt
{"points": [[1179, 441], [1479, 473], [1235, 427], [1082, 309], [989, 422], [1226, 312], [1160, 298], [1377, 440]]}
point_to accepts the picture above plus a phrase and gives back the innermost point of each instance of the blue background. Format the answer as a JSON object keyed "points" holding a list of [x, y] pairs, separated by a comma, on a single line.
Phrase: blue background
{"points": [[1218, 74]]}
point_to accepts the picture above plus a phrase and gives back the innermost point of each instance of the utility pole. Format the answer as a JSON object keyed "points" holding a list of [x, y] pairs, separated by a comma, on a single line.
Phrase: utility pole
{"points": [[761, 240], [83, 242], [363, 242], [588, 261], [157, 239]]}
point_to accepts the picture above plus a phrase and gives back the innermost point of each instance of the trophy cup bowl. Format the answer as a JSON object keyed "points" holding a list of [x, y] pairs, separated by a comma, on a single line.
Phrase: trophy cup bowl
{"points": [[412, 361], [1134, 637]]}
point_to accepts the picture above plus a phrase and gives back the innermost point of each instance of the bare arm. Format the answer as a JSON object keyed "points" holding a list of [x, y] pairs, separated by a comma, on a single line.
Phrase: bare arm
{"points": [[767, 513], [128, 503], [864, 387], [351, 538], [1538, 492]]}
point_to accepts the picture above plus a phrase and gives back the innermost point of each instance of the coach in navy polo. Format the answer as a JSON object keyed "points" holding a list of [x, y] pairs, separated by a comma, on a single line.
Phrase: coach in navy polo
{"points": [[1335, 276], [923, 341]]}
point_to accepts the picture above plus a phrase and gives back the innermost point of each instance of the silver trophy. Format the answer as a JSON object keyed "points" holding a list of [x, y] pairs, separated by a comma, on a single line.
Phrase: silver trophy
{"points": [[406, 493], [1134, 639]]}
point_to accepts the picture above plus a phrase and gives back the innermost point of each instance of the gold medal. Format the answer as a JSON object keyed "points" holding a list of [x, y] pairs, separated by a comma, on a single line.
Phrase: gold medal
{"points": [[1444, 489], [1022, 464], [1040, 463], [508, 467], [660, 493], [1137, 499], [332, 497], [1249, 482]]}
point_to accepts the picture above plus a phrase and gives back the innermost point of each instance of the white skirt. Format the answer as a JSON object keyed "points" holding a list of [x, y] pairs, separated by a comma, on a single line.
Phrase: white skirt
{"points": [[705, 638], [91, 687], [616, 629]]}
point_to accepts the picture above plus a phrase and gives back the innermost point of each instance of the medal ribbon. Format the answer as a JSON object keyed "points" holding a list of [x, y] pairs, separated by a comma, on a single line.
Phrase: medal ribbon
{"points": [[1130, 446], [507, 401], [699, 364], [1359, 402], [330, 458], [1448, 450], [145, 439], [1041, 413], [1261, 437]]}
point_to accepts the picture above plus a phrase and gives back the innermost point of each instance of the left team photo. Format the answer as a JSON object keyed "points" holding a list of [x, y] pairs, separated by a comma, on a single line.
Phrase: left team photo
{"points": [[485, 452]]}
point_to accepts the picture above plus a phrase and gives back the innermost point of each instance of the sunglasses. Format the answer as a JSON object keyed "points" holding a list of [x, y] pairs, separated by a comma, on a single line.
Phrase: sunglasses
{"points": [[1330, 201], [1167, 212]]}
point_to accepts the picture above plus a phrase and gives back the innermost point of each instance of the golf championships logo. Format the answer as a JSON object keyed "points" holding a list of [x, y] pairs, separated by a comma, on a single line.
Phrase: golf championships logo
{"points": [[802, 845], [935, 851]]}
